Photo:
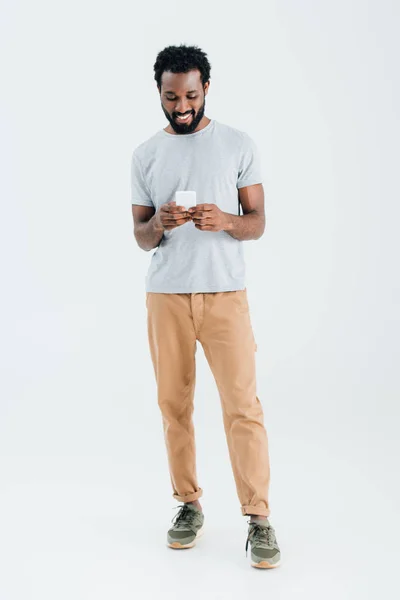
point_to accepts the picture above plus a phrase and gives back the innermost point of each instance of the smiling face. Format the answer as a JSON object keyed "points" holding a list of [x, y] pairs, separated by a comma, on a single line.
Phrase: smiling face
{"points": [[183, 100]]}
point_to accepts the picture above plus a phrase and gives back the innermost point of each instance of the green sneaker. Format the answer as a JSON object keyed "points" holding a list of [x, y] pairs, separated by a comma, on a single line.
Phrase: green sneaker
{"points": [[265, 553], [187, 527]]}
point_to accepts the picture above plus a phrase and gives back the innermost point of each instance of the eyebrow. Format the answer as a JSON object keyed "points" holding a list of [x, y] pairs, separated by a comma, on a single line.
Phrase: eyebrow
{"points": [[189, 92]]}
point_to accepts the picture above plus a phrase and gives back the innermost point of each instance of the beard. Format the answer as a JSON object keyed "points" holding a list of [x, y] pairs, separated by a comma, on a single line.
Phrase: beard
{"points": [[183, 128]]}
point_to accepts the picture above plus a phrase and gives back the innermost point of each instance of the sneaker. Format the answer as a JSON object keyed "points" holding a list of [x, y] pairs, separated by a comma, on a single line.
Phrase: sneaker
{"points": [[265, 553], [187, 527]]}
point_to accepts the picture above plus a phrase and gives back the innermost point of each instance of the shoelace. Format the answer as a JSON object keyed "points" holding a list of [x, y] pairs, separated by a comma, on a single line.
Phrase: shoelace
{"points": [[262, 535], [184, 517]]}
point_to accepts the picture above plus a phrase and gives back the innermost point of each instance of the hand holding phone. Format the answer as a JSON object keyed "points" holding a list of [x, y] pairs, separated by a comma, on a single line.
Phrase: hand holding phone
{"points": [[169, 216]]}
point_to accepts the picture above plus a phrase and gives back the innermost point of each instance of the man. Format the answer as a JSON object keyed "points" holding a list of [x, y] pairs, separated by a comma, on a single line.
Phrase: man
{"points": [[195, 289]]}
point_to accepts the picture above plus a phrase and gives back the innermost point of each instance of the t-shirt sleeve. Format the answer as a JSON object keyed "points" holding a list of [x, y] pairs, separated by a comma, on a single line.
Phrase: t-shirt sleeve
{"points": [[140, 193], [250, 164]]}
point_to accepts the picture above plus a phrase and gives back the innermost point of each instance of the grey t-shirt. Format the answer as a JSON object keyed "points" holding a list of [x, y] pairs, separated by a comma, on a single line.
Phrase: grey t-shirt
{"points": [[215, 162]]}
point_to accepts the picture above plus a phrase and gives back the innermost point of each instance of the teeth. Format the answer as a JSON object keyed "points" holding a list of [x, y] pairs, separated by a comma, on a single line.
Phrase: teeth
{"points": [[184, 118]]}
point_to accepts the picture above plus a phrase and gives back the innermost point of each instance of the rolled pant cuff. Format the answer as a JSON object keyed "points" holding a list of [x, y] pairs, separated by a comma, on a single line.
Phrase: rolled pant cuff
{"points": [[189, 497], [255, 510]]}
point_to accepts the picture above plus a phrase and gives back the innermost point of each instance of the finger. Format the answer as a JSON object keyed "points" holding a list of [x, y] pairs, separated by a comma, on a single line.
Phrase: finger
{"points": [[204, 220], [178, 214], [177, 209], [172, 223], [204, 227], [201, 216], [173, 217], [201, 213], [202, 207], [178, 223]]}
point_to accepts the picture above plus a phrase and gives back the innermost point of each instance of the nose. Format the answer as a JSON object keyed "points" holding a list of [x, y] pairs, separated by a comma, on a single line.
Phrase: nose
{"points": [[182, 108]]}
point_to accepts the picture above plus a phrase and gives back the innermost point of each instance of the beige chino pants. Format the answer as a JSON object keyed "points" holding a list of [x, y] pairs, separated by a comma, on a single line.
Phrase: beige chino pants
{"points": [[221, 322]]}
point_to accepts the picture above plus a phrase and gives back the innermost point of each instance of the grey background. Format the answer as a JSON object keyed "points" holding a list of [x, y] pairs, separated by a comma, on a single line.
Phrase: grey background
{"points": [[85, 498]]}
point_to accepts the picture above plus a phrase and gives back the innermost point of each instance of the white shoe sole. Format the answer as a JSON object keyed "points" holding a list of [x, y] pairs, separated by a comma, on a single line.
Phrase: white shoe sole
{"points": [[179, 545]]}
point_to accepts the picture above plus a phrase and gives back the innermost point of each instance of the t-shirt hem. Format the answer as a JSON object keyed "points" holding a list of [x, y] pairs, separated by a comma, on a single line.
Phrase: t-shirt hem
{"points": [[247, 182], [196, 289], [137, 203]]}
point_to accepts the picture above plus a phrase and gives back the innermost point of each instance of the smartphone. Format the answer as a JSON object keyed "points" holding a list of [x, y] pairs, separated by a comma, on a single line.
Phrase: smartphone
{"points": [[186, 198]]}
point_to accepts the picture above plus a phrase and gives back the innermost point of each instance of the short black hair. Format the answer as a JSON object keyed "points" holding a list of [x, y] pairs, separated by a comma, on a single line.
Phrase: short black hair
{"points": [[181, 59]]}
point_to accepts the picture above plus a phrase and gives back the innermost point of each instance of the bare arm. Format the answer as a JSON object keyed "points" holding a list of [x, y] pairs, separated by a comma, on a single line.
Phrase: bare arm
{"points": [[250, 225], [148, 232]]}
